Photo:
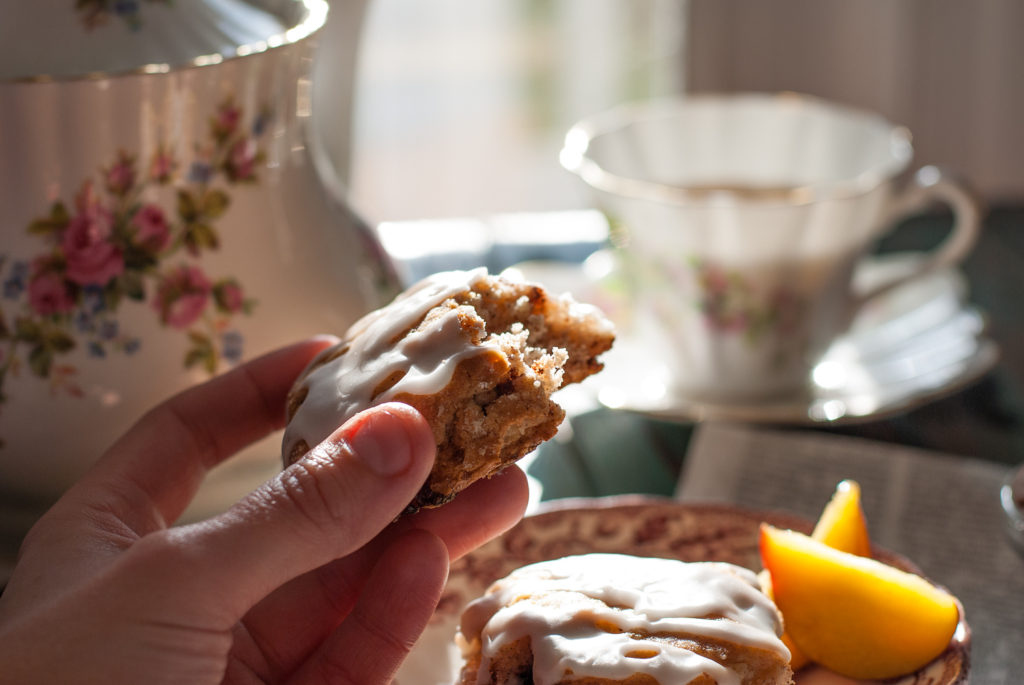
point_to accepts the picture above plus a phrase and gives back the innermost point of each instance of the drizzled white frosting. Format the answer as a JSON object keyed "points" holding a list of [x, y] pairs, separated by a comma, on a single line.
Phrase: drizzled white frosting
{"points": [[579, 613], [428, 357]]}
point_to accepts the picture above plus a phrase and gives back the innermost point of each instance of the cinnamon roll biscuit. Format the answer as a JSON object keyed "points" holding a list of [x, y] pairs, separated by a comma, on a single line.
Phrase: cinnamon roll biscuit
{"points": [[599, 619]]}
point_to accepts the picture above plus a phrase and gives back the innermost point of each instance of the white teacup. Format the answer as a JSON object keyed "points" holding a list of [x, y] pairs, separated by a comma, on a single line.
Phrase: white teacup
{"points": [[740, 221]]}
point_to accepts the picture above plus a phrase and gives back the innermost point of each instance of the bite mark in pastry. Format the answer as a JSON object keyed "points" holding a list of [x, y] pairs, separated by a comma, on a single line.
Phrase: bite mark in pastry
{"points": [[478, 355]]}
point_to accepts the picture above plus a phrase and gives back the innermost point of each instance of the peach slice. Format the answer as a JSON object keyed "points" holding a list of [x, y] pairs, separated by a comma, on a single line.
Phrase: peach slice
{"points": [[842, 524], [797, 659], [852, 614]]}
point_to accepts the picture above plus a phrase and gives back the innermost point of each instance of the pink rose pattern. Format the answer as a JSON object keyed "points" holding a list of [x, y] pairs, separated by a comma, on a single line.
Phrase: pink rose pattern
{"points": [[229, 296], [152, 232], [118, 243], [182, 296], [730, 304], [92, 257], [49, 294]]}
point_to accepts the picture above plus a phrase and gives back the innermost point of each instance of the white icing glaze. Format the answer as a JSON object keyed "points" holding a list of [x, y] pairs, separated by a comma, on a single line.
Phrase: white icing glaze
{"points": [[579, 613], [344, 386]]}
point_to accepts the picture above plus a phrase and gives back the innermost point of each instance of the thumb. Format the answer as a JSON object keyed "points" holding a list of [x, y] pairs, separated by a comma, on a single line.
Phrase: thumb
{"points": [[324, 506]]}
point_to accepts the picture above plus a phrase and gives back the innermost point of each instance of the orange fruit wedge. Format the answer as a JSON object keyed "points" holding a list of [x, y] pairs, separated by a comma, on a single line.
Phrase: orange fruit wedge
{"points": [[842, 524], [797, 659], [852, 614]]}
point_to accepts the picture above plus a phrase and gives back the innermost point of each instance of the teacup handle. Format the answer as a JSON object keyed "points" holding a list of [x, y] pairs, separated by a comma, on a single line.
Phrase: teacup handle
{"points": [[929, 184]]}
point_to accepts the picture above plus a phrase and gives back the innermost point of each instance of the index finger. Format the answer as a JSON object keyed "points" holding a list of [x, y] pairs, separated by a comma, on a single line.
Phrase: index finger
{"points": [[157, 466]]}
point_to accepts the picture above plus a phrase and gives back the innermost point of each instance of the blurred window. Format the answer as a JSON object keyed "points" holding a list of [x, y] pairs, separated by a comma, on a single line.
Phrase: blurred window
{"points": [[461, 105]]}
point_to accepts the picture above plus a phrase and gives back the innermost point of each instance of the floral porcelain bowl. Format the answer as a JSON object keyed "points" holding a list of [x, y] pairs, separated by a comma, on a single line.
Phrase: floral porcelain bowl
{"points": [[165, 217]]}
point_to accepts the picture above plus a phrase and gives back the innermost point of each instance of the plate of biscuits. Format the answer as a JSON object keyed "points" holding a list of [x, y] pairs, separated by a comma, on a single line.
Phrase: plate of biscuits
{"points": [[646, 590]]}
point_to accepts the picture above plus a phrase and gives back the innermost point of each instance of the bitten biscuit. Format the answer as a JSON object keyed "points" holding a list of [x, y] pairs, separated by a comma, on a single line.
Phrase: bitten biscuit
{"points": [[478, 355]]}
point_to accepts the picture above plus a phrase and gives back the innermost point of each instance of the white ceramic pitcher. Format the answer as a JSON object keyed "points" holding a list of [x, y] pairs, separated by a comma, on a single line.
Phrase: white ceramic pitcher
{"points": [[164, 217]]}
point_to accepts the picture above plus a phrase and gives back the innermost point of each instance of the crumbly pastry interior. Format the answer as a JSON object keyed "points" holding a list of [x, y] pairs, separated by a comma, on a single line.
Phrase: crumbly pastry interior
{"points": [[478, 355], [608, 618]]}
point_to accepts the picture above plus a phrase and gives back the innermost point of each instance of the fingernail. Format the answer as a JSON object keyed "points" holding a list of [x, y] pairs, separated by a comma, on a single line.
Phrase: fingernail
{"points": [[381, 441]]}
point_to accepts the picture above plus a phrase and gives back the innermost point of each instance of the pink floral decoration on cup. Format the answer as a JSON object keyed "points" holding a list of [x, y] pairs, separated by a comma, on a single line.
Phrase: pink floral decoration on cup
{"points": [[731, 304]]}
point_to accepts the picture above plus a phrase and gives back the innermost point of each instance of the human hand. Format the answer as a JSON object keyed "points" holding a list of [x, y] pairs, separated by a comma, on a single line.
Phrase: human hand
{"points": [[308, 579]]}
